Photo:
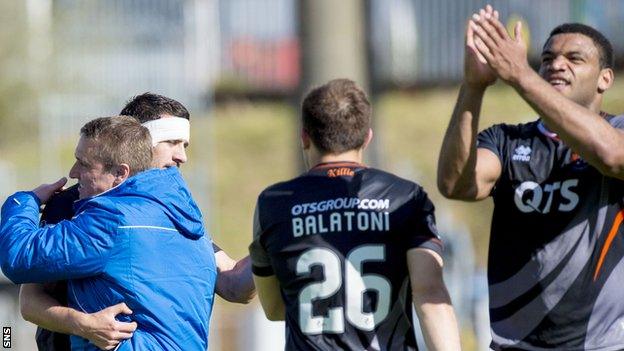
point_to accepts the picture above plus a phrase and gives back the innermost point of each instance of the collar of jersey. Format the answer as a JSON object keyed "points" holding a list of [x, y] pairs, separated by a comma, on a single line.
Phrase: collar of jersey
{"points": [[338, 164], [544, 130]]}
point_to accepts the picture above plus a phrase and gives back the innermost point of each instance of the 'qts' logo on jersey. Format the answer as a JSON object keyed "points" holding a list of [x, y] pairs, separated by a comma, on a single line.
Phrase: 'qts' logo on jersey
{"points": [[557, 196]]}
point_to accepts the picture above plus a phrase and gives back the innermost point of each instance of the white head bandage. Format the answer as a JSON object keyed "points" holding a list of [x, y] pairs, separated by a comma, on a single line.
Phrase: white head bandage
{"points": [[169, 128]]}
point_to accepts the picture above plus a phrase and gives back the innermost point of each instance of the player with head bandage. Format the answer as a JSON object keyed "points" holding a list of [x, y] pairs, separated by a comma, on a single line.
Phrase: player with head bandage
{"points": [[111, 251], [43, 304], [169, 128]]}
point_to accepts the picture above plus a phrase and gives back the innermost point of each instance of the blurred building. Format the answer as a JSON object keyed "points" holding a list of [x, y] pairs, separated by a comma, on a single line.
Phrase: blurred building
{"points": [[260, 48], [420, 42]]}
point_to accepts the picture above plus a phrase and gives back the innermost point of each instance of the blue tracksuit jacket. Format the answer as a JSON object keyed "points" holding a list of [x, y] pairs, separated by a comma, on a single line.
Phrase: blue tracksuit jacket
{"points": [[142, 243]]}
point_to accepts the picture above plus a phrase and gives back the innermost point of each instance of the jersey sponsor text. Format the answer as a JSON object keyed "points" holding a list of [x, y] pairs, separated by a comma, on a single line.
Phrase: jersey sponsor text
{"points": [[340, 203], [346, 221], [531, 196]]}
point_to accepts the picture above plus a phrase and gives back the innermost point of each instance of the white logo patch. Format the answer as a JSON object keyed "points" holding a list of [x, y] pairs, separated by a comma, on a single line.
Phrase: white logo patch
{"points": [[558, 195], [522, 153]]}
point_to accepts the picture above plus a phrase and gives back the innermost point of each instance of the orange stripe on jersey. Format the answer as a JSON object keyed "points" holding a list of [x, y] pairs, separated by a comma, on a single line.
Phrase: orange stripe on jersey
{"points": [[614, 229]]}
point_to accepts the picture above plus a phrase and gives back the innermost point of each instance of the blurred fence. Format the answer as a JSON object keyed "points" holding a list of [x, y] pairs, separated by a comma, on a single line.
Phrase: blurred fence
{"points": [[116, 47], [97, 54], [420, 42], [412, 42], [185, 48]]}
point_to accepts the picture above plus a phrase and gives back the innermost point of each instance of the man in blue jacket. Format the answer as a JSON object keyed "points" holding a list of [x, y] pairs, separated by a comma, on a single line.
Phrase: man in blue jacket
{"points": [[137, 238], [44, 304]]}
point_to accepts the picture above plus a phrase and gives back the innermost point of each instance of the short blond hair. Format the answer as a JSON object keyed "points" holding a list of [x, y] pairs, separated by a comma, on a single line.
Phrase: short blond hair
{"points": [[119, 139]]}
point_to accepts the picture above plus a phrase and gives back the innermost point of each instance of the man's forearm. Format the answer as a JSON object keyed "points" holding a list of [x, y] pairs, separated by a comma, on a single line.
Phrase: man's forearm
{"points": [[584, 130], [457, 162], [235, 282], [270, 297], [18, 221], [432, 301], [76, 248], [43, 310], [437, 321], [101, 328]]}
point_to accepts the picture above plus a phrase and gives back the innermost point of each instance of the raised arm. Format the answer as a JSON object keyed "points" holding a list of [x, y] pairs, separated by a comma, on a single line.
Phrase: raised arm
{"points": [[70, 249], [234, 281], [465, 172], [580, 127], [101, 328], [432, 301]]}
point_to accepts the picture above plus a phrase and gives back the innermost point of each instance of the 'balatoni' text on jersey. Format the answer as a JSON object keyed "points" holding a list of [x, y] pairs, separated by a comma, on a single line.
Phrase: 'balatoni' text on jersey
{"points": [[555, 266], [336, 238]]}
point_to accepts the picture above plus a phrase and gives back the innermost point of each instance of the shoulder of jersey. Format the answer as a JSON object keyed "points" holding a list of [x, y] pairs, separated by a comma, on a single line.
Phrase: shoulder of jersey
{"points": [[385, 176], [60, 206], [282, 188], [68, 195], [288, 187], [617, 120]]}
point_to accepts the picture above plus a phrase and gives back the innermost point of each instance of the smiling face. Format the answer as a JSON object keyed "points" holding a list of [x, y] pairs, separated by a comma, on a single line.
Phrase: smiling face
{"points": [[571, 64], [93, 178]]}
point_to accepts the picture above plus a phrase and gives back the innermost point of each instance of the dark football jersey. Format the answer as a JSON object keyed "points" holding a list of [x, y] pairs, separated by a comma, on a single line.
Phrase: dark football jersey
{"points": [[556, 245], [336, 239]]}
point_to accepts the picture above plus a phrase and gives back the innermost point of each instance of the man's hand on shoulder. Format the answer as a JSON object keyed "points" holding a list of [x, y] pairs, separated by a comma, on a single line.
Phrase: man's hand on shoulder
{"points": [[103, 330], [45, 191], [234, 281]]}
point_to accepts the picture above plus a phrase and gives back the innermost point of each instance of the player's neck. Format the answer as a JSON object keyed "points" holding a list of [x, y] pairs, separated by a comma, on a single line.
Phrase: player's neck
{"points": [[349, 156], [595, 105]]}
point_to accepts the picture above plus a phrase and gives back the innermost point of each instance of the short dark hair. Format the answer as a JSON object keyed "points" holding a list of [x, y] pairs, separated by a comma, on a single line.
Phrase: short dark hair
{"points": [[148, 107], [605, 49], [337, 116], [119, 139]]}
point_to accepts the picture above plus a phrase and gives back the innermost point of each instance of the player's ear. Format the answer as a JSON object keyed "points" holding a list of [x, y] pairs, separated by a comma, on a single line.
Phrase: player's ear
{"points": [[606, 79], [121, 173], [305, 139]]}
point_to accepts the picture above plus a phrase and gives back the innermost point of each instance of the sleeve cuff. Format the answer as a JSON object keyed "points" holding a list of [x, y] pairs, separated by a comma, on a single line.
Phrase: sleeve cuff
{"points": [[264, 271], [430, 243], [492, 148]]}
